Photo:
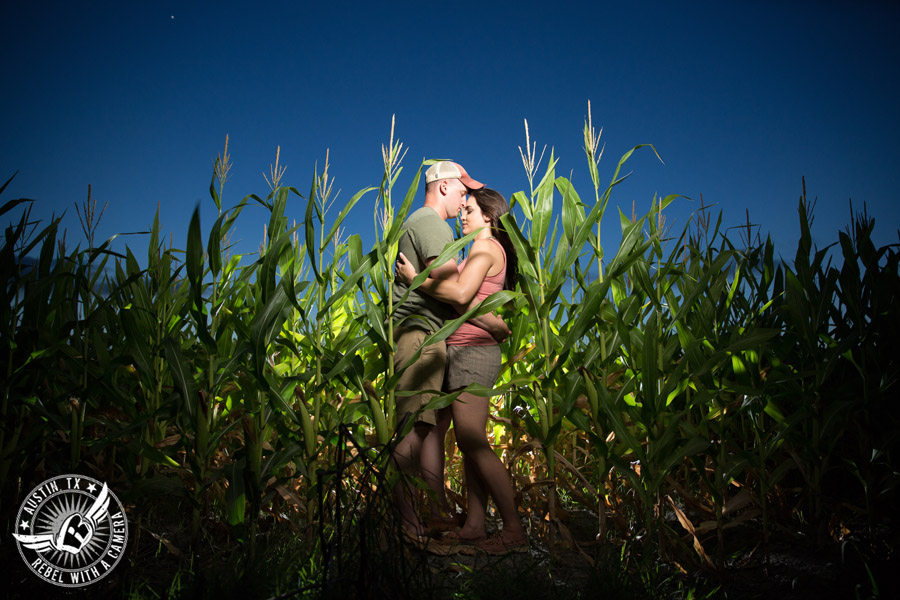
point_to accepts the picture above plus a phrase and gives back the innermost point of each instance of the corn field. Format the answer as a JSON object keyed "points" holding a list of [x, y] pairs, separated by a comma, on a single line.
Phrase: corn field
{"points": [[677, 386]]}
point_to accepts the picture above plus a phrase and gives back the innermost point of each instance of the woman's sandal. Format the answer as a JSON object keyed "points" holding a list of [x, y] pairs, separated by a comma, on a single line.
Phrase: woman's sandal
{"points": [[454, 536], [445, 523], [461, 544], [426, 543], [496, 545]]}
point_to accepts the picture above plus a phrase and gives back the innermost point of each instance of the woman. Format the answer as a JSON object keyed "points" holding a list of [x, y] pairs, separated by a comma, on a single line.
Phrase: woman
{"points": [[473, 356]]}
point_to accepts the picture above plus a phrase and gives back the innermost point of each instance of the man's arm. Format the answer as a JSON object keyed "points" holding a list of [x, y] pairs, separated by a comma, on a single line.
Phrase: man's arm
{"points": [[491, 323], [448, 270], [476, 270]]}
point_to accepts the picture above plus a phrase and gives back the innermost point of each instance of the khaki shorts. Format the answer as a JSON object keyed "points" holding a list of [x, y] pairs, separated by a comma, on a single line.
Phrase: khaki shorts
{"points": [[471, 364], [427, 373]]}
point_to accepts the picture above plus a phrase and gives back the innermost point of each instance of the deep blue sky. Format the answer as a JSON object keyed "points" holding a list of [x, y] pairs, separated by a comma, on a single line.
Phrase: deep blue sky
{"points": [[741, 99]]}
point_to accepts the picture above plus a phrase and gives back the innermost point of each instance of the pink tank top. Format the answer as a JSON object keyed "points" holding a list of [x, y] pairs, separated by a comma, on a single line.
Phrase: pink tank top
{"points": [[471, 335]]}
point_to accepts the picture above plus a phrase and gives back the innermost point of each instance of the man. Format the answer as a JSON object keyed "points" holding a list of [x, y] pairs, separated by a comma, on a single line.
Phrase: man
{"points": [[425, 235]]}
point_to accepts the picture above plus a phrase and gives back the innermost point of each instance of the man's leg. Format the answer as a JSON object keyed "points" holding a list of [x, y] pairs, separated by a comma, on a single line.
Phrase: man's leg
{"points": [[406, 457], [432, 459], [424, 442]]}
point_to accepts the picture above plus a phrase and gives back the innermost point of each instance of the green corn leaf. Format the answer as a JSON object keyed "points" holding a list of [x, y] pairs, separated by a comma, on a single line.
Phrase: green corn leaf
{"points": [[309, 432], [212, 187], [281, 458], [552, 433], [487, 305], [3, 187], [268, 270], [640, 274], [220, 433], [543, 206], [572, 209], [48, 248], [392, 236], [235, 212], [355, 255], [194, 253], [599, 208], [451, 250], [183, 377], [583, 423], [613, 408], [363, 268], [377, 321], [349, 357], [154, 454], [528, 258], [311, 231], [291, 291], [628, 253], [548, 255], [520, 199], [343, 214], [278, 220], [194, 261], [702, 285], [773, 411], [214, 246], [667, 200], [266, 326], [227, 368], [236, 494], [11, 238], [649, 367], [438, 401], [137, 339], [153, 248]]}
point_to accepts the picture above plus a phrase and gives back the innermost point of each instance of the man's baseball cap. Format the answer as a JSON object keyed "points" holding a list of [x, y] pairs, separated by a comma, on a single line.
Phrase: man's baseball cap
{"points": [[450, 170]]}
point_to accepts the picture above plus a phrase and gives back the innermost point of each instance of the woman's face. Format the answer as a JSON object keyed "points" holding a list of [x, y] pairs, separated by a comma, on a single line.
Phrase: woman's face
{"points": [[471, 216]]}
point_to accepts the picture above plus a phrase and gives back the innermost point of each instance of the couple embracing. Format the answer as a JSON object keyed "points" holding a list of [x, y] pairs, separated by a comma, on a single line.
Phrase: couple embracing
{"points": [[470, 355]]}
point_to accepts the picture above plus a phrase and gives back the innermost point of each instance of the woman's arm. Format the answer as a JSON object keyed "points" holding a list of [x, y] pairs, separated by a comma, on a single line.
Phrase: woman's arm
{"points": [[460, 292]]}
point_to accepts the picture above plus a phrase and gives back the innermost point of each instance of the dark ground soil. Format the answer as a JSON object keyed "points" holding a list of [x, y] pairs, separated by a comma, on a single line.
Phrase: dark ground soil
{"points": [[579, 567], [790, 568]]}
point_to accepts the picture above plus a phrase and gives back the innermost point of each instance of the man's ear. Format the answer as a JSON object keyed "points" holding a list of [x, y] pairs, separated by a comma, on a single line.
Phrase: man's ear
{"points": [[442, 186]]}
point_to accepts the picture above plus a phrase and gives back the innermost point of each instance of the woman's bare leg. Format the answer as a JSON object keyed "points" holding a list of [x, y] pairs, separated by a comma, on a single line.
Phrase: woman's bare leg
{"points": [[469, 421]]}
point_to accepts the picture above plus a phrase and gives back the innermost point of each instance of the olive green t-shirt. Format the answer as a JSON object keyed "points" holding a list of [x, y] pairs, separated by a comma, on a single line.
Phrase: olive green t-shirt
{"points": [[424, 237]]}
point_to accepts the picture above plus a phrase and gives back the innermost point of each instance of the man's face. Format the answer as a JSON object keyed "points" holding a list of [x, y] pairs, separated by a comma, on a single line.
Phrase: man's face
{"points": [[456, 196]]}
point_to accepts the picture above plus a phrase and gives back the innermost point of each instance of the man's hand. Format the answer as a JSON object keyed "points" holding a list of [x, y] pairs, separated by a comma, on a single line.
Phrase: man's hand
{"points": [[405, 271], [494, 325], [502, 331]]}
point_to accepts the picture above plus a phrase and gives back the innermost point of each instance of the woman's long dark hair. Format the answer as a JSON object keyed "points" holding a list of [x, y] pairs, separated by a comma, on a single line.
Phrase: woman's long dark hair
{"points": [[494, 205]]}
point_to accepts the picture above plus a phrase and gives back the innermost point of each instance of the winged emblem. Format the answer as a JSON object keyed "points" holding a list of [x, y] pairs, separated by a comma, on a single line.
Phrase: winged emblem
{"points": [[76, 531]]}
